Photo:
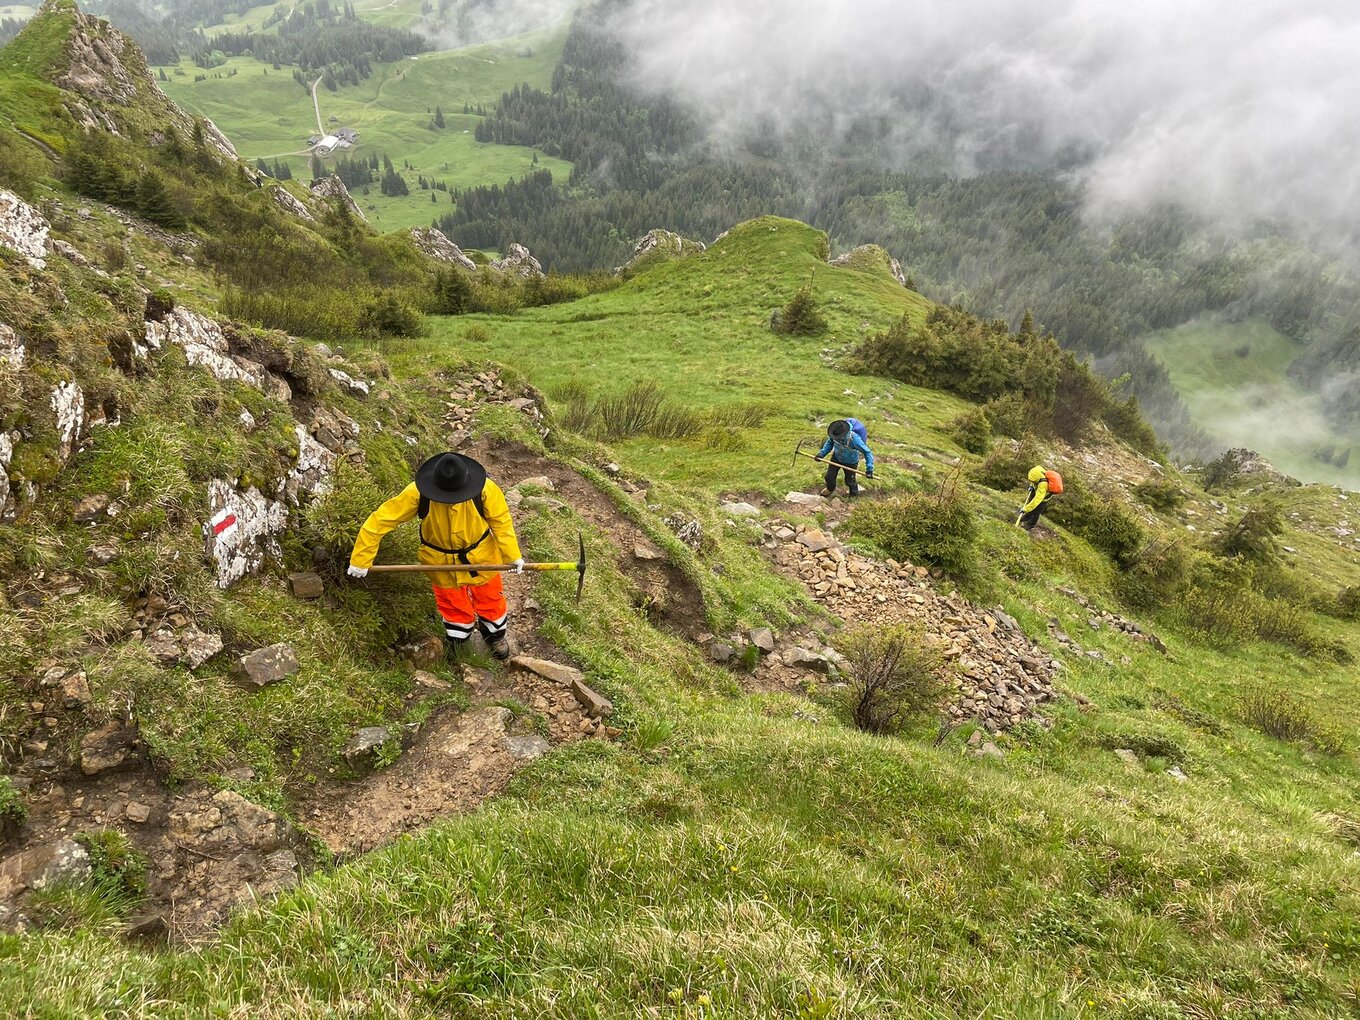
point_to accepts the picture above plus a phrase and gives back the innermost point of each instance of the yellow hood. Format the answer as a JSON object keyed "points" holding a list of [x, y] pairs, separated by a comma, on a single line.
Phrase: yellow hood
{"points": [[1036, 474]]}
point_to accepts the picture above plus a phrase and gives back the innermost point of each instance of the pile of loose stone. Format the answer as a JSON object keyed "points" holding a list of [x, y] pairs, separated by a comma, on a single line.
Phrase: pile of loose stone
{"points": [[1002, 677], [465, 397], [1102, 618]]}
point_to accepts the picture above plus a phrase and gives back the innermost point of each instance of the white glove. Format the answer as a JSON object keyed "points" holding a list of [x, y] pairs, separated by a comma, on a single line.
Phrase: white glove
{"points": [[354, 571], [519, 566]]}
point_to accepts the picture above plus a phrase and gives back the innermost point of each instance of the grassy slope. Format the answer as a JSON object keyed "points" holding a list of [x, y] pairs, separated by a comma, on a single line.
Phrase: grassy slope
{"points": [[759, 862], [1251, 401], [266, 113]]}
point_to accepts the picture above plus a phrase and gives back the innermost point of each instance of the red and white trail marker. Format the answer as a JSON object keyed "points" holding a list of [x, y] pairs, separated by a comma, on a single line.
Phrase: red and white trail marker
{"points": [[223, 520]]}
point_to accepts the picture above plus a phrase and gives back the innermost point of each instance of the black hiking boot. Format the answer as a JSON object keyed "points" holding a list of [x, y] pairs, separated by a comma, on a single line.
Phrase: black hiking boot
{"points": [[501, 649]]}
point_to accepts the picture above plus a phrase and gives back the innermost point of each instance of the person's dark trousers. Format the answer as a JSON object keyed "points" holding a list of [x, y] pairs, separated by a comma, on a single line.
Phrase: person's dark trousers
{"points": [[1029, 520], [850, 479]]}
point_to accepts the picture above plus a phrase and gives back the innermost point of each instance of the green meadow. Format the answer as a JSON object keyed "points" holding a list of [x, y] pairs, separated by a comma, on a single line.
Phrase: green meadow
{"points": [[268, 114], [1234, 379]]}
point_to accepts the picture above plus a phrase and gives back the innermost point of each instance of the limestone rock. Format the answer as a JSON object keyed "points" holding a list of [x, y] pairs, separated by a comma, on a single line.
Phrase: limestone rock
{"points": [[1130, 759], [191, 647], [75, 691], [23, 228], [659, 245], [90, 509], [306, 585], [519, 262], [358, 387], [537, 482], [290, 203], [807, 499], [107, 748], [762, 638], [647, 552], [206, 346], [815, 541], [266, 666], [12, 351], [241, 530], [68, 404], [137, 812], [436, 245], [423, 652], [739, 509], [526, 747], [64, 861], [721, 652], [869, 257], [688, 530], [555, 671], [365, 744], [333, 187], [595, 704], [312, 472]]}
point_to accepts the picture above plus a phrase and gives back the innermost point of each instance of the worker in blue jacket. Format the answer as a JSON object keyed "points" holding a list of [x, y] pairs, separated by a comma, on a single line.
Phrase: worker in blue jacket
{"points": [[845, 443]]}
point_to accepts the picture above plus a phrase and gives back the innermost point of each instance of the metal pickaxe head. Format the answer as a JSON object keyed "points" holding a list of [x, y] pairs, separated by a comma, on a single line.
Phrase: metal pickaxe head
{"points": [[797, 450]]}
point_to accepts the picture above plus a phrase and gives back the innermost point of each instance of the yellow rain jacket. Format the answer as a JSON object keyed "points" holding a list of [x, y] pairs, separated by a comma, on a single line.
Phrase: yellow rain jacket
{"points": [[1038, 491], [449, 526]]}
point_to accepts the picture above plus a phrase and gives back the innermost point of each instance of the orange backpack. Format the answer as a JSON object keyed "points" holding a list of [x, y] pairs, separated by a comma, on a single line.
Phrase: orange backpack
{"points": [[1054, 482]]}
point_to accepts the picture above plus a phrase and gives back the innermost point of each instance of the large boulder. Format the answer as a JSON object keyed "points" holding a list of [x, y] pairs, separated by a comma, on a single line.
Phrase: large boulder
{"points": [[290, 203], [519, 262], [206, 345], [434, 244]]}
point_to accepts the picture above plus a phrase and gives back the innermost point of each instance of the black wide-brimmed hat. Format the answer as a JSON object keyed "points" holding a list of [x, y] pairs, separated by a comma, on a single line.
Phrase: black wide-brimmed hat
{"points": [[450, 478], [838, 429]]}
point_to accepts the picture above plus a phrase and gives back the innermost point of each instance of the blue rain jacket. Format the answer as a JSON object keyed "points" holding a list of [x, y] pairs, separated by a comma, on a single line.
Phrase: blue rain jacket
{"points": [[847, 453]]}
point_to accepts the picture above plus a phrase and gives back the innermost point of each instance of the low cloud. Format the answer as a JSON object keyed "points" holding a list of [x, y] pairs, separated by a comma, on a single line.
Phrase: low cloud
{"points": [[1243, 112]]}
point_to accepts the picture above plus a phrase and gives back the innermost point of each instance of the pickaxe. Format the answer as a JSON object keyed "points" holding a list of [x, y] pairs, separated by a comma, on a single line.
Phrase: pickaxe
{"points": [[798, 452], [486, 568]]}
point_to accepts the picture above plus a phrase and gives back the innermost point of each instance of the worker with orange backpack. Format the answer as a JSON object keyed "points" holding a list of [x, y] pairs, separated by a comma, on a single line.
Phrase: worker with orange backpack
{"points": [[1043, 486]]}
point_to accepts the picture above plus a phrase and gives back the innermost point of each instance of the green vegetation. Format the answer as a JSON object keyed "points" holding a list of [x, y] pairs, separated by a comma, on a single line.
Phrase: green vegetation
{"points": [[938, 529], [895, 677]]}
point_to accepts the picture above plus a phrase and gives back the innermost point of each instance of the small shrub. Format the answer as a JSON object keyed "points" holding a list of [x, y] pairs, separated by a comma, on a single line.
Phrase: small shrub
{"points": [[1014, 415], [632, 412], [1155, 577], [114, 862], [675, 422], [387, 316], [1253, 537], [1348, 603], [1223, 471], [938, 529], [893, 677], [1276, 714], [800, 316], [477, 334], [1160, 494], [1007, 466], [1149, 743], [1102, 519], [972, 430]]}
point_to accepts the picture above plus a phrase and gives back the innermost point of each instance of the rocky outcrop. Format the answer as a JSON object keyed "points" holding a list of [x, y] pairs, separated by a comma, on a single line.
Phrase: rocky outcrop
{"points": [[313, 470], [869, 257], [68, 404], [434, 244], [333, 187], [6, 455], [206, 345], [1249, 462], [290, 203], [660, 246], [242, 530], [23, 228], [518, 262], [12, 350]]}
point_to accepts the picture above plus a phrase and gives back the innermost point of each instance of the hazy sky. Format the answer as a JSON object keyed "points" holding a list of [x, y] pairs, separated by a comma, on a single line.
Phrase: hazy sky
{"points": [[1241, 108]]}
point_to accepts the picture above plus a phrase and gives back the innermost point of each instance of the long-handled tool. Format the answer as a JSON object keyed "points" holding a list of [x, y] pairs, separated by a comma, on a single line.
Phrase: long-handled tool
{"points": [[798, 452], [488, 568]]}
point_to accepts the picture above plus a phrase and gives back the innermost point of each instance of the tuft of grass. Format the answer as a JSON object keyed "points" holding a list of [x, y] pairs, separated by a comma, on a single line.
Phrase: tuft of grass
{"points": [[1277, 714]]}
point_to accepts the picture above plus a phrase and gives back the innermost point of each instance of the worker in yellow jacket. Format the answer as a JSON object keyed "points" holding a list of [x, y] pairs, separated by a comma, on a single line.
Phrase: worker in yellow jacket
{"points": [[1043, 486], [463, 519]]}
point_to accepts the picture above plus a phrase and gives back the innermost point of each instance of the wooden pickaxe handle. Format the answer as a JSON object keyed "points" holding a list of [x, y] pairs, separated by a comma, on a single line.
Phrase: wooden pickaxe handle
{"points": [[821, 460], [480, 568]]}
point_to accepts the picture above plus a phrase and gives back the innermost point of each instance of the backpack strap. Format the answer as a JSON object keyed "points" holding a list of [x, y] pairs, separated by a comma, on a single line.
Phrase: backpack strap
{"points": [[423, 511]]}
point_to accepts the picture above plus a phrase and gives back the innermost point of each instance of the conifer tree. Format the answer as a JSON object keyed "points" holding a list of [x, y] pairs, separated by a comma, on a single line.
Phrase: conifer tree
{"points": [[438, 117]]}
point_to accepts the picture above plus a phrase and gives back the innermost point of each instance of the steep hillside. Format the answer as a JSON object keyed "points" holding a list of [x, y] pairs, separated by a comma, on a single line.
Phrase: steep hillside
{"points": [[1117, 779]]}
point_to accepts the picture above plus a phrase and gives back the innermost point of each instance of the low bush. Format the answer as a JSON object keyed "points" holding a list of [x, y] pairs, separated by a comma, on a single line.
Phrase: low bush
{"points": [[1102, 518], [1223, 470], [800, 316], [1007, 466], [1014, 415], [1276, 714], [972, 430], [13, 811], [893, 677], [937, 529], [631, 412], [1253, 537], [1348, 603], [1160, 494], [1155, 577], [1226, 611]]}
